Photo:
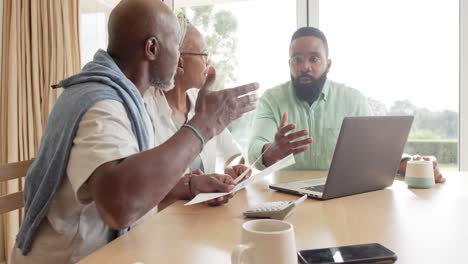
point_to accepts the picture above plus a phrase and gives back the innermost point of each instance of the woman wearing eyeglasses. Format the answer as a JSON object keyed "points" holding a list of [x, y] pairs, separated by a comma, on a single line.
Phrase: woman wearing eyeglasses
{"points": [[170, 110]]}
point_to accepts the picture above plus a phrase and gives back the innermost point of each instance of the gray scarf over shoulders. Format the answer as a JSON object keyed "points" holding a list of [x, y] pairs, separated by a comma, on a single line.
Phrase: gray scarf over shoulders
{"points": [[101, 79]]}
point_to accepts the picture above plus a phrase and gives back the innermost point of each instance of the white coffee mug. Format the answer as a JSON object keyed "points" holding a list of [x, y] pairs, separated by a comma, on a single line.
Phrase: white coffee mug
{"points": [[266, 241], [419, 174]]}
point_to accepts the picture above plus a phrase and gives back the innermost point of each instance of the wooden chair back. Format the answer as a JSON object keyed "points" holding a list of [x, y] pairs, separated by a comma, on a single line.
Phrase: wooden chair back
{"points": [[11, 171]]}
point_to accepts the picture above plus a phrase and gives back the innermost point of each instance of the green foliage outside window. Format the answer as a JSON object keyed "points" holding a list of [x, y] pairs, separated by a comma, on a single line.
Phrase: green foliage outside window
{"points": [[219, 28]]}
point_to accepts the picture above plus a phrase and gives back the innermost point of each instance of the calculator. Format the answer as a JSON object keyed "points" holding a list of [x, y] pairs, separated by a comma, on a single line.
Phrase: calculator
{"points": [[275, 210]]}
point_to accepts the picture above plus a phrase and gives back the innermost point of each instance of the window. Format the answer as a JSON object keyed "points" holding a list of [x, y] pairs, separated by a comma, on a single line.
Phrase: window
{"points": [[250, 49], [94, 15], [93, 35], [249, 42], [403, 55]]}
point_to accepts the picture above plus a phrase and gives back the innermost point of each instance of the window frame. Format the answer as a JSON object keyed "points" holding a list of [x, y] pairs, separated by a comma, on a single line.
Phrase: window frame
{"points": [[463, 88]]}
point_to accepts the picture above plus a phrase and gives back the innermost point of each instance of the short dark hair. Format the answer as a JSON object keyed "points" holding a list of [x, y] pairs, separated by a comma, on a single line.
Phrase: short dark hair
{"points": [[310, 31]]}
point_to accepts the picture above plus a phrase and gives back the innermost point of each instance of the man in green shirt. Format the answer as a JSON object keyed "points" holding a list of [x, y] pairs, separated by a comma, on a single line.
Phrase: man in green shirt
{"points": [[315, 105]]}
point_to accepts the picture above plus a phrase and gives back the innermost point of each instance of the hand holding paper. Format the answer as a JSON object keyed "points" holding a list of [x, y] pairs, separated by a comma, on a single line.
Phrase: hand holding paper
{"points": [[202, 197], [243, 175], [212, 183]]}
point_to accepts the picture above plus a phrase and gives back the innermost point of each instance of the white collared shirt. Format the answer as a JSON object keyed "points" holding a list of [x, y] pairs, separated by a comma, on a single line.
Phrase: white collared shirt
{"points": [[222, 146]]}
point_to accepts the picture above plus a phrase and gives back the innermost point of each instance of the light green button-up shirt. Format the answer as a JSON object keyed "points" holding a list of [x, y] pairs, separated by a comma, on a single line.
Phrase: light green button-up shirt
{"points": [[322, 119]]}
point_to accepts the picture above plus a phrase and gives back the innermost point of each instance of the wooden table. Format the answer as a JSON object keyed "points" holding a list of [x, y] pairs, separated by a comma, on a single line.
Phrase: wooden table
{"points": [[421, 226]]}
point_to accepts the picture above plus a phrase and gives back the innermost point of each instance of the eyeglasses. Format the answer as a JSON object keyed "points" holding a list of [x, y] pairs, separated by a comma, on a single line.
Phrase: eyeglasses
{"points": [[299, 60], [206, 55]]}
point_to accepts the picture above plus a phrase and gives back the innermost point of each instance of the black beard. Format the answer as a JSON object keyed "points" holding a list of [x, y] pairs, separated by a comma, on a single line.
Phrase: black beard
{"points": [[308, 92]]}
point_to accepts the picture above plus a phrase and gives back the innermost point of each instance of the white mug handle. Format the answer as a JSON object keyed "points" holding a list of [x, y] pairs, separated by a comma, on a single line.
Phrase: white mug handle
{"points": [[238, 253]]}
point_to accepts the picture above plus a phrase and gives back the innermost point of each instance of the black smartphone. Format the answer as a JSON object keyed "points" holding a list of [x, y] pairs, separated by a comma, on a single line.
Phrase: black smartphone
{"points": [[365, 253]]}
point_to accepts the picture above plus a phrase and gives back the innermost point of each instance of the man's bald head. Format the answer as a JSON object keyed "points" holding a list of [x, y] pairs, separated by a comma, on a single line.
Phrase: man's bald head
{"points": [[145, 32]]}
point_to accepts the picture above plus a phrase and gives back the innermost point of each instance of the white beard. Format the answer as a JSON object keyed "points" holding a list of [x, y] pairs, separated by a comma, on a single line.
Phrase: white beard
{"points": [[157, 83]]}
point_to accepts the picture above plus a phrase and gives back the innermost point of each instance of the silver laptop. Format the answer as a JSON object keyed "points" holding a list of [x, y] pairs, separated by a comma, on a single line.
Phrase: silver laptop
{"points": [[367, 156]]}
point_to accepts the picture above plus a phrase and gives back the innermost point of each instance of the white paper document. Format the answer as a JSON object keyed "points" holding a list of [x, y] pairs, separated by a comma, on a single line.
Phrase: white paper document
{"points": [[202, 197], [242, 176]]}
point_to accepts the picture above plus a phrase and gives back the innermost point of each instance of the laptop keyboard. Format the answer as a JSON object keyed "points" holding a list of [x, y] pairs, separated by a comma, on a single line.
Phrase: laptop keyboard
{"points": [[316, 188]]}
